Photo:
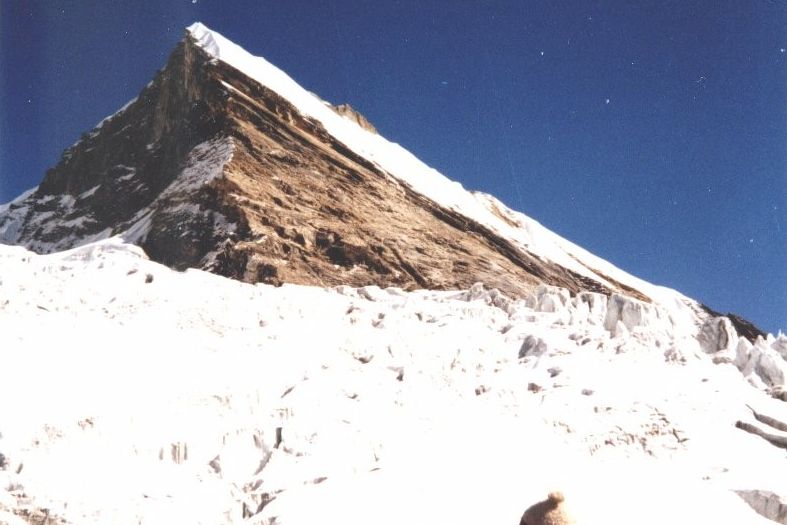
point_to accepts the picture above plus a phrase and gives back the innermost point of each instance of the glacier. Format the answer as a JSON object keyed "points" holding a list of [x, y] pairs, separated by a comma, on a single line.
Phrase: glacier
{"points": [[138, 394]]}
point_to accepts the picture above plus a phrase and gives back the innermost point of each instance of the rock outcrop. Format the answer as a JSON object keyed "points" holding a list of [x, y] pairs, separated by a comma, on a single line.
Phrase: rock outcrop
{"points": [[349, 112]]}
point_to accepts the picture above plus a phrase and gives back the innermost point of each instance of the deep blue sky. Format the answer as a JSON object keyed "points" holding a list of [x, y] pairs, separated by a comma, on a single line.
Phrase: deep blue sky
{"points": [[653, 133]]}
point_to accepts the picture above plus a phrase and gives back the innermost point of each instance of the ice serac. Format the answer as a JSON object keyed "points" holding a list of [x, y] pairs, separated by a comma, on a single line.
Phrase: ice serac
{"points": [[183, 397], [224, 163]]}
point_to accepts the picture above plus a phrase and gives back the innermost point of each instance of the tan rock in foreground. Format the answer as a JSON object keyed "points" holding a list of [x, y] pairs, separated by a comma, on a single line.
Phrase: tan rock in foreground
{"points": [[551, 511]]}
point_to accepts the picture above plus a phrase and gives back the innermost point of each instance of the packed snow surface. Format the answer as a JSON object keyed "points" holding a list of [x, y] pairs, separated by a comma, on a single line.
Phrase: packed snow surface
{"points": [[136, 394]]}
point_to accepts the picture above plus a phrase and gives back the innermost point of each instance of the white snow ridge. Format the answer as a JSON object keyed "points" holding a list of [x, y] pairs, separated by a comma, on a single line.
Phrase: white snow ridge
{"points": [[135, 394]]}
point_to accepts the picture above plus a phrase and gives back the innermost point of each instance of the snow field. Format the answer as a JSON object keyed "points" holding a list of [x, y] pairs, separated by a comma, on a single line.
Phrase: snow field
{"points": [[139, 394]]}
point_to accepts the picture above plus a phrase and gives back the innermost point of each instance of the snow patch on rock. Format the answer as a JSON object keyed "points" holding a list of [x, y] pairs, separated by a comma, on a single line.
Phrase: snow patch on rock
{"points": [[204, 164]]}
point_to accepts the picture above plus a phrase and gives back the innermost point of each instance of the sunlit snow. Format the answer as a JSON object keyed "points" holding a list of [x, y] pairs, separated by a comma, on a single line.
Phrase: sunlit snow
{"points": [[139, 394]]}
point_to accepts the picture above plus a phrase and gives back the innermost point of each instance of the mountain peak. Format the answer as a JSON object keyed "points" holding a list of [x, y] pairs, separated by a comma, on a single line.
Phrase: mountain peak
{"points": [[223, 162], [197, 29], [213, 43]]}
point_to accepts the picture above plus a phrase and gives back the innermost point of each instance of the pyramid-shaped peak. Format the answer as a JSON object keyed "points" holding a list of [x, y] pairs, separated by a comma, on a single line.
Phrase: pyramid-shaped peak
{"points": [[297, 191], [226, 163]]}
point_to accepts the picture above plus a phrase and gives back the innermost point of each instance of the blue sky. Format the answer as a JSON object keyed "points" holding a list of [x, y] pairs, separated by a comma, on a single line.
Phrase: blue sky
{"points": [[653, 133]]}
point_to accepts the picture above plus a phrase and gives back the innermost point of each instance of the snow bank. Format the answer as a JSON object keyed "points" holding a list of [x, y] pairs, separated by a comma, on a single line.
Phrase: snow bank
{"points": [[186, 397]]}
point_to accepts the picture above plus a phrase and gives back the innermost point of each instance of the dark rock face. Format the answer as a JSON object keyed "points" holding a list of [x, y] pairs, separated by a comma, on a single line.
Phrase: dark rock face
{"points": [[210, 169], [743, 327], [105, 183], [150, 138]]}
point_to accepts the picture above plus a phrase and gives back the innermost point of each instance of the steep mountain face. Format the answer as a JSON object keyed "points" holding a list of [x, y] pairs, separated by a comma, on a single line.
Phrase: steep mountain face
{"points": [[224, 163], [140, 172], [211, 168]]}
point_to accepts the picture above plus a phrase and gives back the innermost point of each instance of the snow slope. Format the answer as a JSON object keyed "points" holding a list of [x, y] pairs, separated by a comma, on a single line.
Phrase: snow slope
{"points": [[136, 394]]}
